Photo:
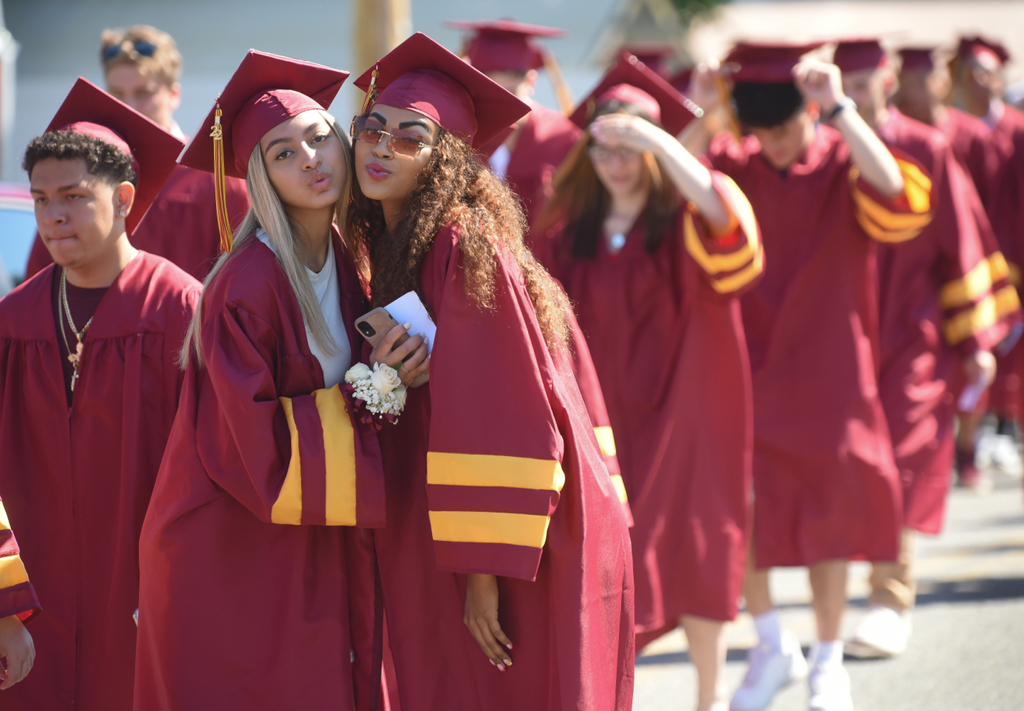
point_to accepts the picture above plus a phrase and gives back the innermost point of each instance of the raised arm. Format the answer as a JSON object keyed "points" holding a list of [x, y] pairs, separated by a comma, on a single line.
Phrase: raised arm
{"points": [[691, 178], [822, 83]]}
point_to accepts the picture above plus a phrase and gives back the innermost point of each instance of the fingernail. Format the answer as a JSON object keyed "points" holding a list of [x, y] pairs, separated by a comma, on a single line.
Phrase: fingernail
{"points": [[508, 662], [493, 663], [406, 326], [509, 645], [501, 668]]}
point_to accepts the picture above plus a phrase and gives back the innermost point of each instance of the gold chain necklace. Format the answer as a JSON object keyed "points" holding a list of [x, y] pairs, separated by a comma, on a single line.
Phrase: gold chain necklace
{"points": [[76, 357]]}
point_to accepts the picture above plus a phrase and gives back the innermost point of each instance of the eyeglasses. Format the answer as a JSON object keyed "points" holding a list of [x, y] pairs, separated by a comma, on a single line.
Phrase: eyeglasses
{"points": [[603, 154], [141, 47], [403, 144]]}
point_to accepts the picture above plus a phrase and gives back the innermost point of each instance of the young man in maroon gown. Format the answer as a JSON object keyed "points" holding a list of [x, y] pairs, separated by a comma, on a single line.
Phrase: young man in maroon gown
{"points": [[946, 301], [508, 53], [924, 84], [90, 383], [141, 67], [18, 605], [826, 488]]}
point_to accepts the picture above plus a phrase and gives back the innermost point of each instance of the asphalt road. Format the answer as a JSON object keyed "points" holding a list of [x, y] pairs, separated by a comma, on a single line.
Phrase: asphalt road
{"points": [[967, 648]]}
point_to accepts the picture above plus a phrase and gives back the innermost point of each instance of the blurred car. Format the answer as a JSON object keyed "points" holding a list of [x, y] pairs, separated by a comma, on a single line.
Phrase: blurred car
{"points": [[17, 232]]}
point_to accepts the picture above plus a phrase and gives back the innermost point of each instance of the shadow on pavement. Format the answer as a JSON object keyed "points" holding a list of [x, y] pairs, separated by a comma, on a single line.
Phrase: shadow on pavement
{"points": [[974, 590]]}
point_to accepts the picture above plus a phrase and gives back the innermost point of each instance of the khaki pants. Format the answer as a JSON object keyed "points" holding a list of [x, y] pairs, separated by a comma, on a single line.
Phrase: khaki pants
{"points": [[892, 584]]}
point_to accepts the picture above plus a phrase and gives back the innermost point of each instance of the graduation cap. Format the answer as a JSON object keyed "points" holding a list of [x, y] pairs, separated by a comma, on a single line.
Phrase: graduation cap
{"points": [[89, 110], [917, 58], [629, 80], [757, 63], [504, 45], [265, 91], [422, 76], [977, 47], [853, 55], [656, 57]]}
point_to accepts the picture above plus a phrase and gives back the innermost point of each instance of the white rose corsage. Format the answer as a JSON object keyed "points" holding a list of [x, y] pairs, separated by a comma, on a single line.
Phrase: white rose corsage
{"points": [[377, 394]]}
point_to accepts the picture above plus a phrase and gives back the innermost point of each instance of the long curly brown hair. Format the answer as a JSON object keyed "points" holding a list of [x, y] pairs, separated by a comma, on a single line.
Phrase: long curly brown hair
{"points": [[454, 188]]}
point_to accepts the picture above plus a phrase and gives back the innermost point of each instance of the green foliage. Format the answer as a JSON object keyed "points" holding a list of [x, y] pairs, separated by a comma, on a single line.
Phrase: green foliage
{"points": [[689, 9]]}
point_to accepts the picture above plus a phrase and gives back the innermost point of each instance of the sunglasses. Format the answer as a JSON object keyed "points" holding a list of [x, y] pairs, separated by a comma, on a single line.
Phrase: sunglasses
{"points": [[141, 47], [602, 154], [403, 144]]}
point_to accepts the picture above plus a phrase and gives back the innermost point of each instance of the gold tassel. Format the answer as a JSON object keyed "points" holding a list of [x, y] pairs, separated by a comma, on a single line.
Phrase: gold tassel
{"points": [[227, 240], [725, 97], [371, 92]]}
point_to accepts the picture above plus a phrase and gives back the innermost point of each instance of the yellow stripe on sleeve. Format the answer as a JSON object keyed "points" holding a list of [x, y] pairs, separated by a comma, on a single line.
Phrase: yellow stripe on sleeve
{"points": [[737, 281], [288, 507], [1014, 274], [5, 523], [620, 488], [743, 213], [488, 527], [12, 572], [916, 186], [890, 226], [452, 469], [605, 440], [988, 311], [969, 288], [339, 456]]}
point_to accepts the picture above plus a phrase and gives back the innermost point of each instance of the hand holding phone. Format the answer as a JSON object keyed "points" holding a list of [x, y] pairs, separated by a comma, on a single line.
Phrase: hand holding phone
{"points": [[410, 359]]}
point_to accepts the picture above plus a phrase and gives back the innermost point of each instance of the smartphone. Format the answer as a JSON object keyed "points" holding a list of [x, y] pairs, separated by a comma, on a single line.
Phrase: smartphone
{"points": [[373, 326]]}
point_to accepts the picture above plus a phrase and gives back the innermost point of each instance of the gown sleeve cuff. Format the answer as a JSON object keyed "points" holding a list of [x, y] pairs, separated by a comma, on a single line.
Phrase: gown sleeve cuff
{"points": [[894, 219]]}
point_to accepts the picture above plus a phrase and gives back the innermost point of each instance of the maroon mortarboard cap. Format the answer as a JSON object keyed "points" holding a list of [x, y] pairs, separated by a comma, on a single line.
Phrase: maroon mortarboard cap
{"points": [[631, 81], [422, 76], [505, 46], [654, 56], [765, 63], [681, 80], [979, 46], [89, 110], [854, 55], [264, 91], [917, 58]]}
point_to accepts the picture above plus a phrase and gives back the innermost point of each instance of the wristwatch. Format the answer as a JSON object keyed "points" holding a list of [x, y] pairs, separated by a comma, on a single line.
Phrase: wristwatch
{"points": [[845, 103]]}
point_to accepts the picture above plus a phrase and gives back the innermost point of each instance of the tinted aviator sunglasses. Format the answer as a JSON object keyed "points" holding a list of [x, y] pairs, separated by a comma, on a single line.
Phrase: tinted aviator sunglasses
{"points": [[141, 46], [404, 144]]}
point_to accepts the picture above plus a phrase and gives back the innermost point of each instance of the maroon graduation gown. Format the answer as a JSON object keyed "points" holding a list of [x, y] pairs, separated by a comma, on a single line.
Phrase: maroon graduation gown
{"points": [[17, 594], [825, 484], [540, 147], [494, 468], [667, 339], [180, 225], [256, 591], [92, 467], [944, 295]]}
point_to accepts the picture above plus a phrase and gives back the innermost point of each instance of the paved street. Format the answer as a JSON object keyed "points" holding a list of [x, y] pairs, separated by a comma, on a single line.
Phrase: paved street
{"points": [[967, 650]]}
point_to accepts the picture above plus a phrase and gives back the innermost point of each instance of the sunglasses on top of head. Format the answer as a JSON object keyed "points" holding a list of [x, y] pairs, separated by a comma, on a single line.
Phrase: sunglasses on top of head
{"points": [[369, 131], [141, 47]]}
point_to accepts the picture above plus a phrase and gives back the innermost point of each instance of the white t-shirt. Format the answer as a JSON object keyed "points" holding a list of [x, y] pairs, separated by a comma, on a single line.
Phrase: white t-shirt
{"points": [[328, 295], [499, 160]]}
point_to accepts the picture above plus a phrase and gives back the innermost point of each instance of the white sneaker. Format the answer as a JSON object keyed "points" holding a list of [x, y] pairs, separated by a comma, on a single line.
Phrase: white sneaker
{"points": [[830, 688], [882, 632], [1005, 455], [770, 670]]}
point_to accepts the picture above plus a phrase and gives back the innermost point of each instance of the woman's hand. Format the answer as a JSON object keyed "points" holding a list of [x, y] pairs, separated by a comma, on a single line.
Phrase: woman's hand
{"points": [[17, 646], [481, 618], [411, 359], [704, 89], [631, 132], [821, 82]]}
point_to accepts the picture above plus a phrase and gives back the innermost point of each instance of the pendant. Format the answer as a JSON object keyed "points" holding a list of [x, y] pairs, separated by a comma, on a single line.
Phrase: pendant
{"points": [[618, 241], [74, 377]]}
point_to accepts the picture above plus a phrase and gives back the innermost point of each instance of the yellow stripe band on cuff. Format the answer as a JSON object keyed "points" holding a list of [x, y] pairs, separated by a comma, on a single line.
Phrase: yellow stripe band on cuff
{"points": [[605, 440], [916, 186], [740, 279], [288, 507], [339, 456], [741, 211], [488, 527], [12, 572], [620, 488], [448, 468], [984, 315], [5, 523], [969, 288]]}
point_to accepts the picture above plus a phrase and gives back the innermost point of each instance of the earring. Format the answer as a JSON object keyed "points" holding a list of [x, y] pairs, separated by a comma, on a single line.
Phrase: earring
{"points": [[120, 213]]}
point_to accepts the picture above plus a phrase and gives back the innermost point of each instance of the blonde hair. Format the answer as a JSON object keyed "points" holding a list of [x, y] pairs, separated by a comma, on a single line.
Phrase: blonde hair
{"points": [[267, 211], [165, 63]]}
